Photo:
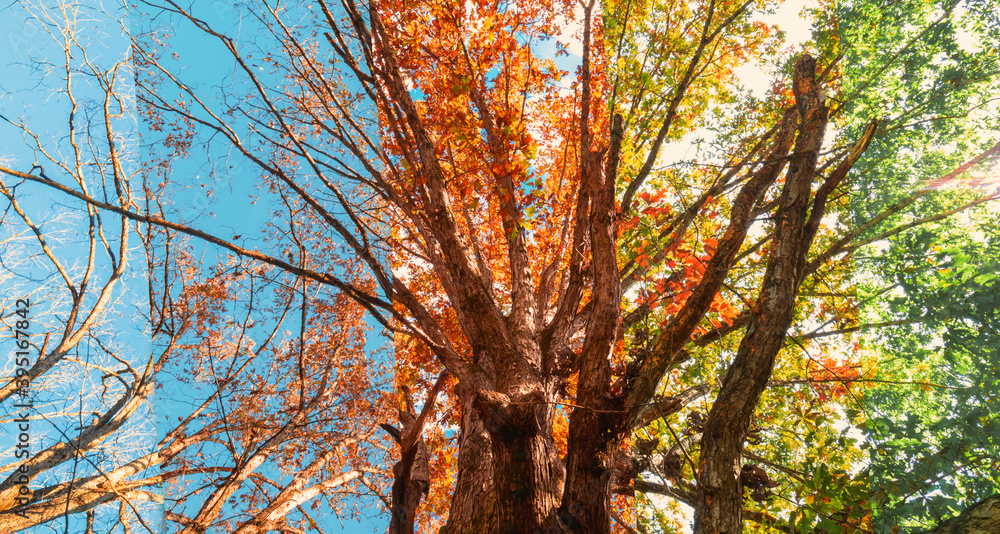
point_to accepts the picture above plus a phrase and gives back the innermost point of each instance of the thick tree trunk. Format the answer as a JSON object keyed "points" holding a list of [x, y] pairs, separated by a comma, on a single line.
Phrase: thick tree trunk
{"points": [[590, 466], [597, 428], [528, 475], [473, 504]]}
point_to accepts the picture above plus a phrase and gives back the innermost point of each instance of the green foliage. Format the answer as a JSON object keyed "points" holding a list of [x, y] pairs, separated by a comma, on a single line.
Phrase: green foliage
{"points": [[928, 70], [936, 441]]}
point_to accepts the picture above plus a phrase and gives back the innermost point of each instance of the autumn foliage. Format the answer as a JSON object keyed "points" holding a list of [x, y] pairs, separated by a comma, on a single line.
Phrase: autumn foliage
{"points": [[612, 280]]}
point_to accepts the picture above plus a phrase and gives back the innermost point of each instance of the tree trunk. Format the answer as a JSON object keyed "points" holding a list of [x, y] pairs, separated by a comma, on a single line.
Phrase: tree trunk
{"points": [[719, 501], [597, 428], [411, 480], [590, 466], [528, 474], [473, 503]]}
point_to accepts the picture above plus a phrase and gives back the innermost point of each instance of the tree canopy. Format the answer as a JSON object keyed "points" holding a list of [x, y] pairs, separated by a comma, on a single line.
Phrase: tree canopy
{"points": [[617, 283]]}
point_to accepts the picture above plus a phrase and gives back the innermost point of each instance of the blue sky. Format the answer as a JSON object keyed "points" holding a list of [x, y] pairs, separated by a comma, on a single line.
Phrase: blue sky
{"points": [[222, 206], [33, 94]]}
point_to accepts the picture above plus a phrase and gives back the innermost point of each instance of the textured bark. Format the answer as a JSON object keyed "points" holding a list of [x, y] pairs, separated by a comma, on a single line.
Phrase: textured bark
{"points": [[473, 503], [528, 475], [596, 429], [980, 518], [510, 476], [719, 500], [590, 467], [411, 473]]}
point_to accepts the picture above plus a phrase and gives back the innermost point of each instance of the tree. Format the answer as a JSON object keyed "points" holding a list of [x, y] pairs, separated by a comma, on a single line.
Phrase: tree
{"points": [[930, 416], [266, 421], [937, 438], [521, 233], [980, 517]]}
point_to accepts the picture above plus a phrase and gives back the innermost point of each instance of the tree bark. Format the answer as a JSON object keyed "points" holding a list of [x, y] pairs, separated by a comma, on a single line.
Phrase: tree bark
{"points": [[597, 428], [528, 475], [719, 502], [473, 503]]}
